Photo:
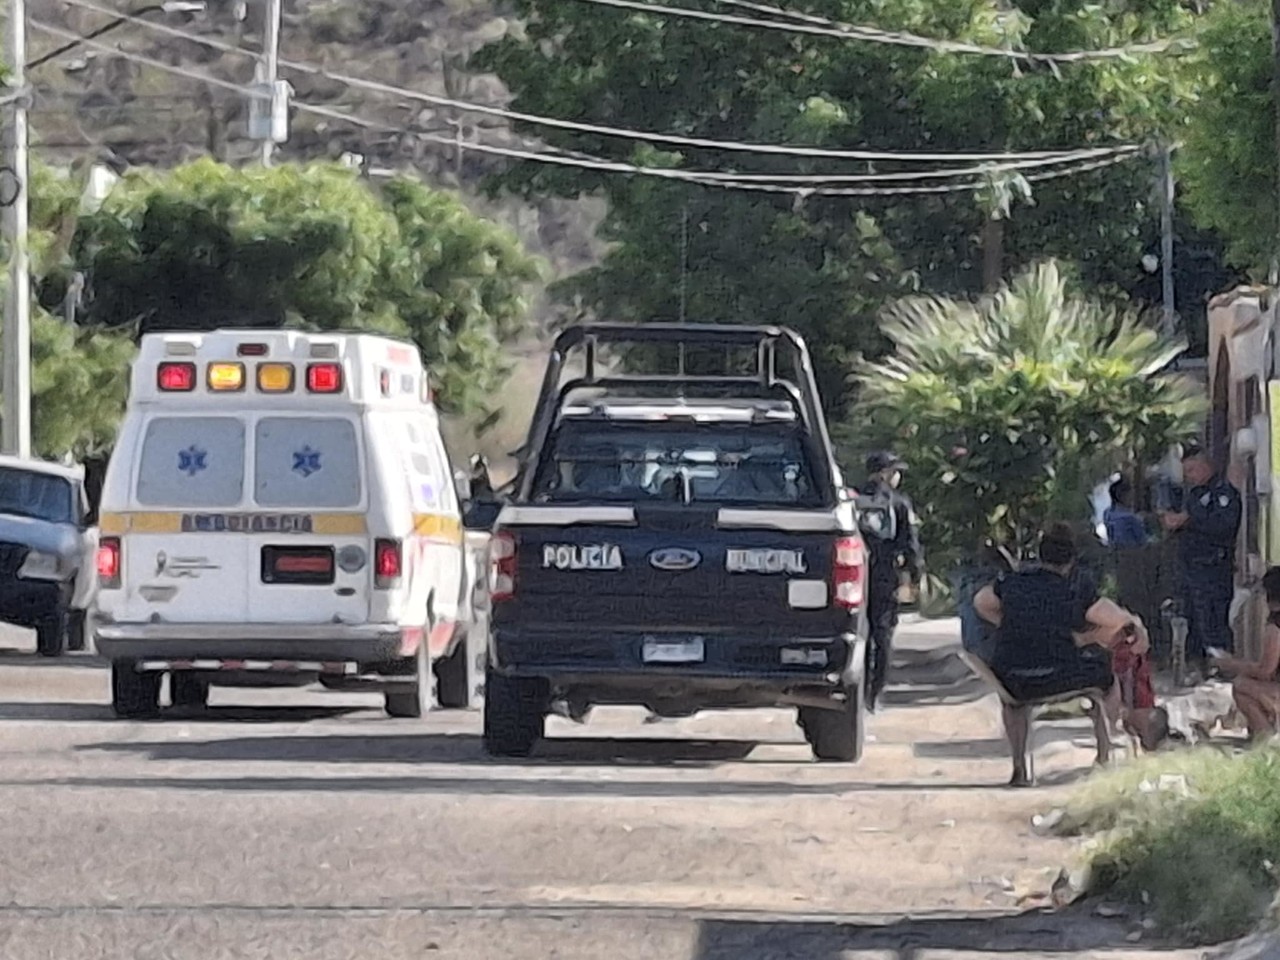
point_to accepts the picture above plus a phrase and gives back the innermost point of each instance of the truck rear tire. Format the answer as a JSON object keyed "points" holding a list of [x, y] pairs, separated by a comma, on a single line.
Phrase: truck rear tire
{"points": [[836, 735], [134, 695], [51, 636], [515, 714], [76, 629], [452, 688]]}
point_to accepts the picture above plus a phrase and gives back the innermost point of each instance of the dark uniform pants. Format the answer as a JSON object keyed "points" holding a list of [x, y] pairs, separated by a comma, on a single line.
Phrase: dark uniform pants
{"points": [[882, 612], [1206, 600]]}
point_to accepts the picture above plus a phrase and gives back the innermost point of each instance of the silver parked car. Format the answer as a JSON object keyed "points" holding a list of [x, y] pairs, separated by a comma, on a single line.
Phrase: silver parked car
{"points": [[47, 551]]}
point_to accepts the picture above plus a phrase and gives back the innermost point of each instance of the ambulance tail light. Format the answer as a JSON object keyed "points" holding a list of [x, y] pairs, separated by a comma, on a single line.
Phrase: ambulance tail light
{"points": [[324, 377], [849, 573], [388, 564], [109, 563], [178, 376], [502, 567]]}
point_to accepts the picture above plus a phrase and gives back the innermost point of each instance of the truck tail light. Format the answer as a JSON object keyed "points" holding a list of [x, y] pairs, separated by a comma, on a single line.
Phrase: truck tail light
{"points": [[388, 564], [502, 567], [109, 563], [849, 573]]}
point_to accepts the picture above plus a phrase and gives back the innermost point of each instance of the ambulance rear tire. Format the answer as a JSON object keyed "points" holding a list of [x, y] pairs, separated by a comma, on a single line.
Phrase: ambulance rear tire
{"points": [[134, 695], [413, 700], [187, 691], [836, 735], [515, 714], [452, 691]]}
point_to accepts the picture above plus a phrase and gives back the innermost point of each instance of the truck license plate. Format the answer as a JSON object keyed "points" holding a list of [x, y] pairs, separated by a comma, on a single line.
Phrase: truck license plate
{"points": [[677, 651]]}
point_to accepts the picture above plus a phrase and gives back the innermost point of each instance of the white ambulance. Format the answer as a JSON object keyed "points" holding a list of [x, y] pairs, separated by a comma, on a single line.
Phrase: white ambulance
{"points": [[280, 508]]}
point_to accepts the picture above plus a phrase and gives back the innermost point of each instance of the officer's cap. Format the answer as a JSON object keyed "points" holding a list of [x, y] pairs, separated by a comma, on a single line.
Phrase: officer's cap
{"points": [[882, 460]]}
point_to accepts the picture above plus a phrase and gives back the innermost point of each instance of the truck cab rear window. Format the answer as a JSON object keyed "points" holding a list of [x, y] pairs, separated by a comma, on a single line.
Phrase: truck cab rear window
{"points": [[192, 462], [306, 462], [716, 462]]}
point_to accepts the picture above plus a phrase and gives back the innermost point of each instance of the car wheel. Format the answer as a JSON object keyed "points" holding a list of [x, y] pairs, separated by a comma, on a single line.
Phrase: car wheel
{"points": [[515, 714], [51, 635], [452, 687], [412, 700], [134, 695], [77, 629], [836, 735], [188, 691]]}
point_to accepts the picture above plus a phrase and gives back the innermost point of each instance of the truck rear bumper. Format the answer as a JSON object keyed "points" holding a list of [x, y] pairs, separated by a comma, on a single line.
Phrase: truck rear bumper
{"points": [[351, 643], [628, 657]]}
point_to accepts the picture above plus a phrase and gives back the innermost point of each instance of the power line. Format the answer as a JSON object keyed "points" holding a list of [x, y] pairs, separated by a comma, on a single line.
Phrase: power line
{"points": [[604, 166], [607, 166], [878, 35], [599, 129]]}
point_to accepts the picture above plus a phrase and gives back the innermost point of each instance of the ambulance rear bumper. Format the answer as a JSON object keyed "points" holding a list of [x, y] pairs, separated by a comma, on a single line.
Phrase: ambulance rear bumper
{"points": [[351, 643]]}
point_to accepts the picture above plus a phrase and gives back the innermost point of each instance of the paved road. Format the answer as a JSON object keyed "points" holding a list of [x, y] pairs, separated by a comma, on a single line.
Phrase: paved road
{"points": [[305, 824]]}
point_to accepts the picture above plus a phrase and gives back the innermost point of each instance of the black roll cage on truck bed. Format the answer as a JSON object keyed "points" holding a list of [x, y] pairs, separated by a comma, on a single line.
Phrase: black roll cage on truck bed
{"points": [[771, 344]]}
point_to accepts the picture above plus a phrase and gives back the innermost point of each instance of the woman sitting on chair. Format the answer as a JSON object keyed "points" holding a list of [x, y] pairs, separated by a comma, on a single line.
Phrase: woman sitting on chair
{"points": [[1052, 640]]}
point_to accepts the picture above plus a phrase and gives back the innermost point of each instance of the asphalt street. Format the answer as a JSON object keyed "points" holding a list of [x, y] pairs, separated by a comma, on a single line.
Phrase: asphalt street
{"points": [[305, 824]]}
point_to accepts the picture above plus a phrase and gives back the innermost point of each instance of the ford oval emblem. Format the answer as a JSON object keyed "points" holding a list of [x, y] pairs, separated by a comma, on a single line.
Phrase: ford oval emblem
{"points": [[674, 559]]}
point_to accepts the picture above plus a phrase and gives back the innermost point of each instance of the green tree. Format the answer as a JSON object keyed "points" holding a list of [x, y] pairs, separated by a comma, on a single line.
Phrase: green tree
{"points": [[79, 378], [1227, 166], [1009, 407], [826, 264], [206, 245]]}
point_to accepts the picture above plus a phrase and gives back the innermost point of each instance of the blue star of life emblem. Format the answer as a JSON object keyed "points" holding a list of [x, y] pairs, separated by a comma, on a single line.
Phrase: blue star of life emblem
{"points": [[192, 460], [306, 461]]}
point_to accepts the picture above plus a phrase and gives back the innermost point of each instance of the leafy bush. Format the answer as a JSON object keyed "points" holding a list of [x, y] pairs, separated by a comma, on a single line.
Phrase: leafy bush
{"points": [[1197, 833], [1008, 409]]}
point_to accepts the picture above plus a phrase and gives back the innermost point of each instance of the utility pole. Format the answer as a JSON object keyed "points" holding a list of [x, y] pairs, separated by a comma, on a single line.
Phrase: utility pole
{"points": [[1166, 237], [16, 383], [1274, 277], [269, 78]]}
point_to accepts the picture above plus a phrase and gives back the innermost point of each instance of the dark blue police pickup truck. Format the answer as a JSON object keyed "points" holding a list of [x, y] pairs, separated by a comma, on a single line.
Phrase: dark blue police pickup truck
{"points": [[680, 541]]}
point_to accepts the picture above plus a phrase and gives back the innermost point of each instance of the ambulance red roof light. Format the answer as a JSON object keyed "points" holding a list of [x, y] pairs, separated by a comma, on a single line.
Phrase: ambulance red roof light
{"points": [[251, 350], [176, 377], [324, 377]]}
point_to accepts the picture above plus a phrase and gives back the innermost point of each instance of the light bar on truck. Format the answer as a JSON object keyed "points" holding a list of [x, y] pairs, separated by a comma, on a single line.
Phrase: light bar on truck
{"points": [[225, 377], [176, 377], [324, 377], [275, 378]]}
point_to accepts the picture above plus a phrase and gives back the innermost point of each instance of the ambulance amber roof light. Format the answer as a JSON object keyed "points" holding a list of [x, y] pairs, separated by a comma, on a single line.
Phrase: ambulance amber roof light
{"points": [[176, 377], [226, 377], [275, 378], [324, 377]]}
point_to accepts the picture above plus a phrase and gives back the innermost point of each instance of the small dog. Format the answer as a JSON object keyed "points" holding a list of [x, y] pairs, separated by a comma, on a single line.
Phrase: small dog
{"points": [[1194, 715]]}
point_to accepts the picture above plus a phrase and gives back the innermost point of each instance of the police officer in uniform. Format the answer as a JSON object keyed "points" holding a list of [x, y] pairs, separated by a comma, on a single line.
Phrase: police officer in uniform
{"points": [[1206, 524], [892, 560]]}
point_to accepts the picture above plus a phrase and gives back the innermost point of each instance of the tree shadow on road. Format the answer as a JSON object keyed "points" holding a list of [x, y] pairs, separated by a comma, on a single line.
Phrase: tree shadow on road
{"points": [[1036, 932], [80, 711]]}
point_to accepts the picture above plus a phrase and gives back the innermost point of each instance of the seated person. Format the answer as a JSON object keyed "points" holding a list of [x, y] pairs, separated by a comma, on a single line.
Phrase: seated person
{"points": [[1255, 685], [1053, 632]]}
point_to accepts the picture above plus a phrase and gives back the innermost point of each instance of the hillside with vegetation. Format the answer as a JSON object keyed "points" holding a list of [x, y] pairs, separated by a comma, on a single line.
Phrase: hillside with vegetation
{"points": [[91, 106]]}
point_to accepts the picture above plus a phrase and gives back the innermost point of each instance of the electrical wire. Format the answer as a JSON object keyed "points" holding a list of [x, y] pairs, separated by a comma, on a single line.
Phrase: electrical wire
{"points": [[878, 35], [599, 129], [603, 166]]}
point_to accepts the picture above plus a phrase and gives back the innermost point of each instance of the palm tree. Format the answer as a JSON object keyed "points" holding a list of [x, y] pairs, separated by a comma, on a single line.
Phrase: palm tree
{"points": [[1006, 406]]}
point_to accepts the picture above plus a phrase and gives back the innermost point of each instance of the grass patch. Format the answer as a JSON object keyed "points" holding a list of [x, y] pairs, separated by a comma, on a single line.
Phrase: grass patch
{"points": [[1196, 833]]}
